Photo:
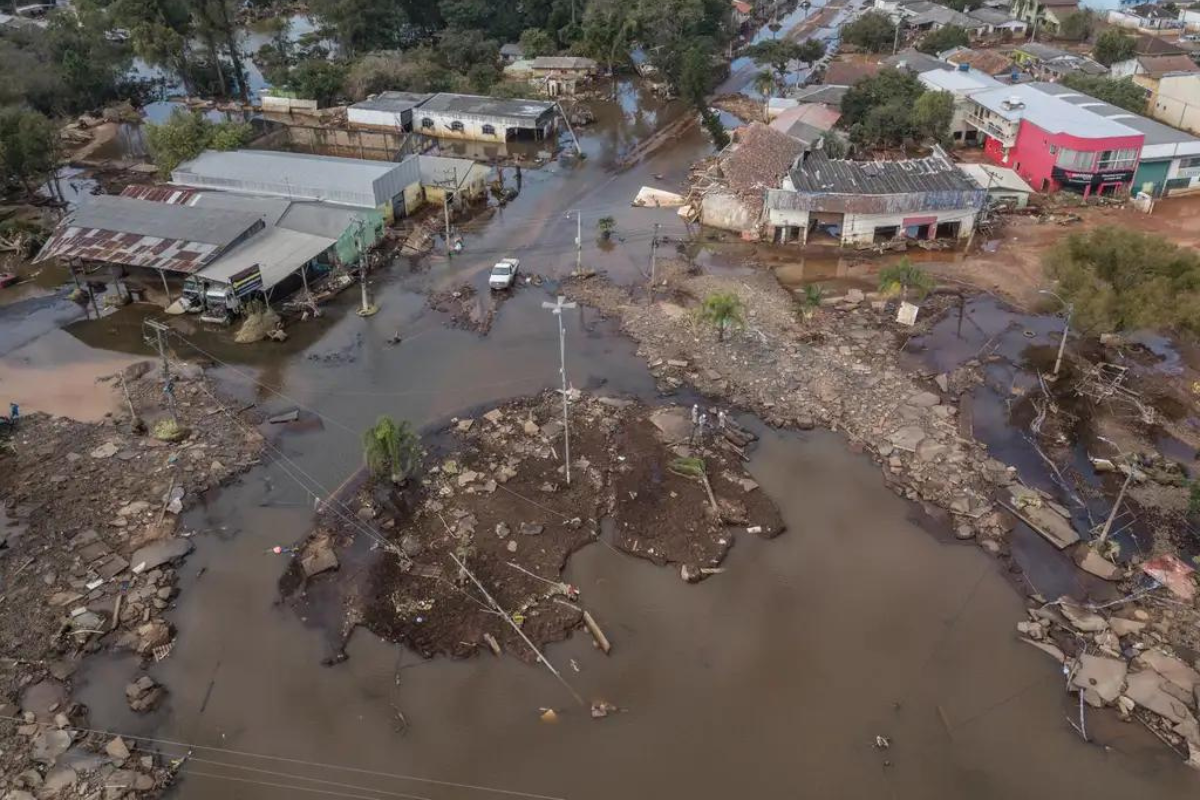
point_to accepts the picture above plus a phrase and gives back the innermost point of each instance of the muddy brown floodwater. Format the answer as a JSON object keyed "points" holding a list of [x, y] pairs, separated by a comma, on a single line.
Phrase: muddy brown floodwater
{"points": [[771, 679]]}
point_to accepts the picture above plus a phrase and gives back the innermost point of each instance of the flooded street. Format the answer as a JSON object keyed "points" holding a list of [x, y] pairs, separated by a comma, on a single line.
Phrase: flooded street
{"points": [[774, 677]]}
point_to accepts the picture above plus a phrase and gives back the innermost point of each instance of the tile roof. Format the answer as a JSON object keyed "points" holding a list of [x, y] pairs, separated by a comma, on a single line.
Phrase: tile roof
{"points": [[847, 73], [1154, 46], [760, 157], [1156, 66]]}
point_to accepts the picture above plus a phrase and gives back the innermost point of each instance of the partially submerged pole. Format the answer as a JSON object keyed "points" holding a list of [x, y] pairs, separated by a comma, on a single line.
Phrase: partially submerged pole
{"points": [[597, 634]]}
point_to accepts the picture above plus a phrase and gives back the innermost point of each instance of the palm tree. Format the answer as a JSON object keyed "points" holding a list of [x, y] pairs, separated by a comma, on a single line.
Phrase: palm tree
{"points": [[723, 311], [764, 83], [903, 276], [606, 226], [391, 449]]}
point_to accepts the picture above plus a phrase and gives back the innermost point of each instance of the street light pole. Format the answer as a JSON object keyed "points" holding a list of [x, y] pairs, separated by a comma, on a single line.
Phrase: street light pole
{"points": [[1062, 345], [557, 308]]}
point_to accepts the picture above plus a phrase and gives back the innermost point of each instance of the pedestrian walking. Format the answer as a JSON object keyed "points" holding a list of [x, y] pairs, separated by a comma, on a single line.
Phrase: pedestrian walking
{"points": [[721, 419], [703, 425]]}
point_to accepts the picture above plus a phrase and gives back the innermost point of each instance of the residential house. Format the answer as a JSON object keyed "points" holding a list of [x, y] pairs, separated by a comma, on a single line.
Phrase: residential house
{"points": [[1048, 63], [921, 15], [1176, 100], [915, 61], [999, 22], [754, 163], [511, 52], [872, 202], [1169, 162], [390, 110], [1053, 143], [961, 83], [1004, 186], [827, 95], [1146, 45], [1190, 17], [807, 122], [557, 76], [1145, 17], [1044, 15], [741, 12], [488, 119], [987, 62], [1146, 71], [847, 73]]}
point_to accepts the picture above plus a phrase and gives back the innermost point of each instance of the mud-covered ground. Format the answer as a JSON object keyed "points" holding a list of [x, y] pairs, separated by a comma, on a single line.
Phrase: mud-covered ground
{"points": [[839, 365], [496, 499], [89, 540]]}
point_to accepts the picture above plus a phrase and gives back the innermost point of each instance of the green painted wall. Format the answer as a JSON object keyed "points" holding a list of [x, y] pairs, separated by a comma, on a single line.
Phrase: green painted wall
{"points": [[1154, 172], [350, 244]]}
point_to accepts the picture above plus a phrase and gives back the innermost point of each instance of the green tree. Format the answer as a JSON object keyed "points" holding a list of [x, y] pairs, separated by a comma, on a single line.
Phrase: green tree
{"points": [[1077, 26], [715, 128], [879, 109], [695, 76], [606, 33], [89, 64], [1121, 92], [722, 310], [363, 25], [605, 226], [536, 42], [763, 82], [28, 148], [1121, 279], [187, 134], [963, 5], [391, 449], [873, 31], [318, 79], [1113, 45], [904, 277], [462, 49], [780, 53], [160, 32], [945, 38], [932, 114]]}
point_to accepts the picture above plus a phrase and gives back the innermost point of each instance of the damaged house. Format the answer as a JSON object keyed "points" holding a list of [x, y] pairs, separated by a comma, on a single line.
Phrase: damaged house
{"points": [[733, 190], [872, 202]]}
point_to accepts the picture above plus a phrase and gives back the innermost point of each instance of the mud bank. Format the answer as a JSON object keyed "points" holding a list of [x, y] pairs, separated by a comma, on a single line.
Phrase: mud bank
{"points": [[838, 366], [89, 541], [495, 506]]}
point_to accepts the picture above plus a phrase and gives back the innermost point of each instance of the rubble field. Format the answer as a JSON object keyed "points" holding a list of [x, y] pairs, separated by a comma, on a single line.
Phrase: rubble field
{"points": [[498, 501], [89, 543], [838, 365]]}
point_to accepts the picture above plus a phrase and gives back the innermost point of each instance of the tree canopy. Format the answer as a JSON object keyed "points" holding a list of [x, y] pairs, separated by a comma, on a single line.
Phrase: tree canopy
{"points": [[1078, 25], [1121, 92], [187, 134], [893, 107], [1121, 279], [945, 38], [780, 53], [28, 148], [1113, 45], [873, 31]]}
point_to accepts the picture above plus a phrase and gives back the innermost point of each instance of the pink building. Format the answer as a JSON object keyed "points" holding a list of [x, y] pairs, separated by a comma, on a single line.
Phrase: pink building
{"points": [[1055, 144]]}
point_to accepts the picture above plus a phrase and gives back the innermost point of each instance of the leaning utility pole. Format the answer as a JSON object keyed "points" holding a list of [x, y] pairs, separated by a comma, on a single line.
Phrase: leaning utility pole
{"points": [[557, 308], [168, 385]]}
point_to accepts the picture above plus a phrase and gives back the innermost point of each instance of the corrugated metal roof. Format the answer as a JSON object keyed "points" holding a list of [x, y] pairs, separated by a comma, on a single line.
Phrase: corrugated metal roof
{"points": [[395, 102], [445, 171], [277, 252], [158, 194], [349, 181], [140, 233], [820, 173], [448, 103], [562, 62]]}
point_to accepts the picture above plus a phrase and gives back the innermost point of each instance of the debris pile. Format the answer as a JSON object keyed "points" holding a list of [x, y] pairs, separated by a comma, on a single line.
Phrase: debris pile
{"points": [[89, 540], [497, 503]]}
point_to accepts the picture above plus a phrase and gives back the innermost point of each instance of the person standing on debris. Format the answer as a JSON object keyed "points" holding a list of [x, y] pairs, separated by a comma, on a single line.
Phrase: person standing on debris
{"points": [[703, 425], [14, 414], [721, 419]]}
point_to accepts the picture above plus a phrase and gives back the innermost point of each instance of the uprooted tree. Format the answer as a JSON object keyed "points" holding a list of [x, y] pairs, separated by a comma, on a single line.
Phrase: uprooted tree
{"points": [[391, 449], [1122, 279]]}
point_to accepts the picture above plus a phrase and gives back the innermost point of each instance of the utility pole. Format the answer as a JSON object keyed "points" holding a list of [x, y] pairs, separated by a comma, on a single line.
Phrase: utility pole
{"points": [[579, 241], [168, 384], [557, 308], [896, 36], [1062, 344], [363, 262], [653, 262]]}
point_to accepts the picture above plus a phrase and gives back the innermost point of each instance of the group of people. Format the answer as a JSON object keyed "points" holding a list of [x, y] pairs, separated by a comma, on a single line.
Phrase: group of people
{"points": [[703, 423]]}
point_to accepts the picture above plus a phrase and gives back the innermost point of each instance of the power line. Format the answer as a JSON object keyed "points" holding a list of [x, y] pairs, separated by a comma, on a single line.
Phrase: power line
{"points": [[300, 762], [276, 774], [198, 774]]}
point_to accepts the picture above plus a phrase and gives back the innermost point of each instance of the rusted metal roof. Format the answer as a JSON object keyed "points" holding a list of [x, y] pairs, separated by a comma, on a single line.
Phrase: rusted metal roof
{"points": [[138, 233], [172, 195]]}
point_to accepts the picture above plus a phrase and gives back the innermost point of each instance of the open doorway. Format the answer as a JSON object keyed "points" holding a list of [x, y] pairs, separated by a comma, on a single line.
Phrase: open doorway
{"points": [[948, 230], [886, 233]]}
